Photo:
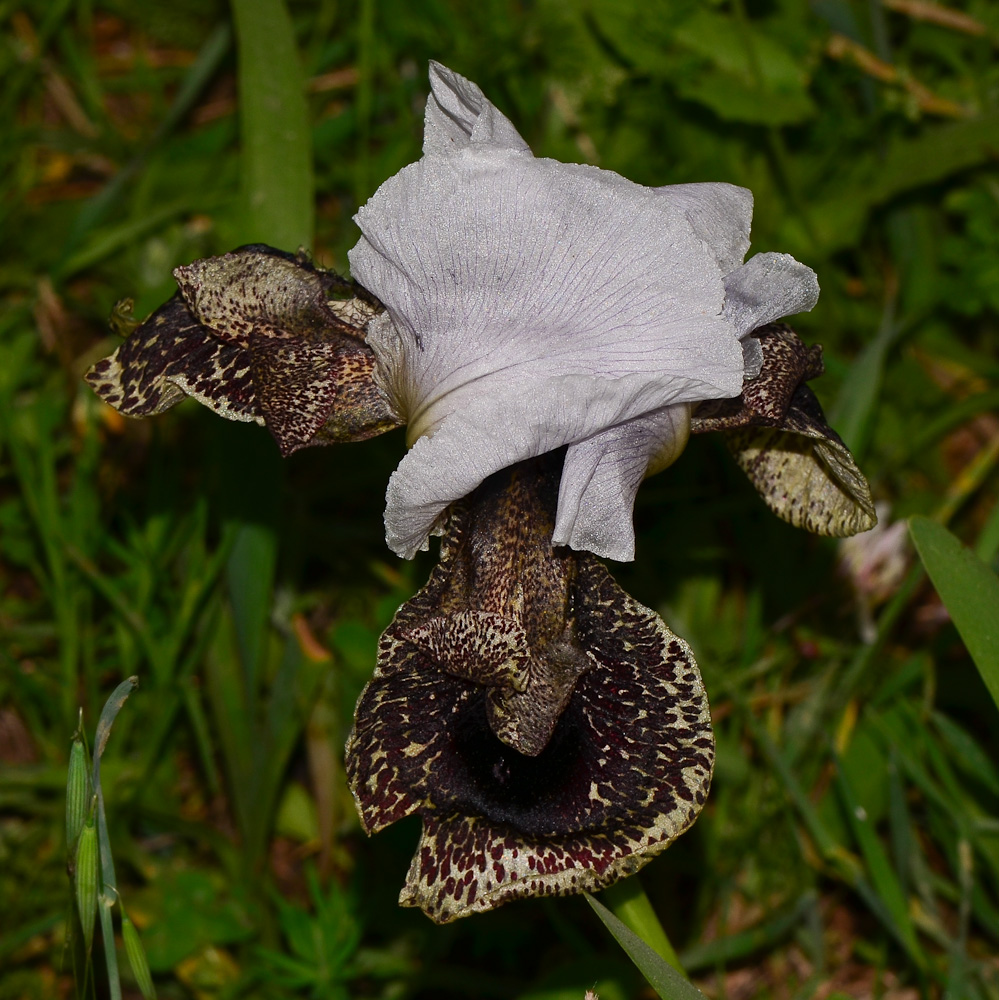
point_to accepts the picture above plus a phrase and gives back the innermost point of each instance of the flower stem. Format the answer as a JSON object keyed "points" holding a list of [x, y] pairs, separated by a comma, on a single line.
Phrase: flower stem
{"points": [[629, 903]]}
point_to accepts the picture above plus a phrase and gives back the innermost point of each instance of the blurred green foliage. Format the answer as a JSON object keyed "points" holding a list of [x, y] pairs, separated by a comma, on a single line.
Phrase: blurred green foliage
{"points": [[851, 843]]}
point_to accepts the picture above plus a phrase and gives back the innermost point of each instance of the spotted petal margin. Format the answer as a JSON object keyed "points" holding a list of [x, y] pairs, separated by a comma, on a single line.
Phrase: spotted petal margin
{"points": [[256, 335], [625, 771], [779, 436]]}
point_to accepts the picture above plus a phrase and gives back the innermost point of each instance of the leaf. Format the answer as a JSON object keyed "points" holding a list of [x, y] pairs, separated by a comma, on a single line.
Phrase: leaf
{"points": [[969, 590], [753, 78], [274, 128], [885, 882], [663, 978], [934, 155]]}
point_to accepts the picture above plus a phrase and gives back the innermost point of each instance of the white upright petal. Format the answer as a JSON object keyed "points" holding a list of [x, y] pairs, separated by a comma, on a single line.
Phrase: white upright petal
{"points": [[459, 115], [719, 214], [533, 304], [767, 287], [601, 476], [505, 274]]}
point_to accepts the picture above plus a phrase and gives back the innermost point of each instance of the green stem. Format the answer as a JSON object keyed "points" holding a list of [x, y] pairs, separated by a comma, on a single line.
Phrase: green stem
{"points": [[274, 128], [629, 903]]}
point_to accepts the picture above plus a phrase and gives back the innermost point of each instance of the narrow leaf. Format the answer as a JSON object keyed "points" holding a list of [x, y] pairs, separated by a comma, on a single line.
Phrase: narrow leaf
{"points": [[885, 882], [663, 978], [969, 590], [630, 904], [108, 891]]}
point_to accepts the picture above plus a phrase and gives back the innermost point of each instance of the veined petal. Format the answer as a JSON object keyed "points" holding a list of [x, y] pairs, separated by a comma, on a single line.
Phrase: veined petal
{"points": [[601, 476], [533, 304], [506, 275], [459, 114], [530, 416], [768, 287], [719, 214]]}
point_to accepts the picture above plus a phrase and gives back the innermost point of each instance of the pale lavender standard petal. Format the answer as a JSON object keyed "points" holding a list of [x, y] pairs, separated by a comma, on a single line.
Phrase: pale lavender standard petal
{"points": [[533, 304], [719, 214], [504, 275], [459, 114], [766, 288]]}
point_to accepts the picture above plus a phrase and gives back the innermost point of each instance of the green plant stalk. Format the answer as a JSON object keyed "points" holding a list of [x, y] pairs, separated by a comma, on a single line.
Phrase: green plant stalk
{"points": [[278, 185], [628, 901], [365, 98], [109, 893]]}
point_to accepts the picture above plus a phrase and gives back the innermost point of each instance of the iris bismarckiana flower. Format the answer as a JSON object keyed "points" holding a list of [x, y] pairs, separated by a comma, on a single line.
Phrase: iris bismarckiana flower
{"points": [[550, 334]]}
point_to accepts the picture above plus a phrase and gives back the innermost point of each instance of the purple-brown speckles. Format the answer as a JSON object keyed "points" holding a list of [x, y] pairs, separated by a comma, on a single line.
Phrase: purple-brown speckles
{"points": [[631, 748]]}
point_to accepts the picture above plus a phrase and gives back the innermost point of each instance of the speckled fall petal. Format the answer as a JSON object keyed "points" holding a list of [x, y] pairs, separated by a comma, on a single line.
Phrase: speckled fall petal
{"points": [[256, 335], [779, 436], [601, 752]]}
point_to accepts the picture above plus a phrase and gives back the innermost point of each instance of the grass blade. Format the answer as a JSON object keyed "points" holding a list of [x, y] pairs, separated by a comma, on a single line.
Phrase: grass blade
{"points": [[109, 892], [662, 977], [969, 590], [632, 906], [885, 883]]}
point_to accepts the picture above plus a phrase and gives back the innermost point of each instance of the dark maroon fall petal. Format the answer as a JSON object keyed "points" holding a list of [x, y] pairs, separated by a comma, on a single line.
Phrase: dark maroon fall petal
{"points": [[780, 438], [611, 750], [256, 335]]}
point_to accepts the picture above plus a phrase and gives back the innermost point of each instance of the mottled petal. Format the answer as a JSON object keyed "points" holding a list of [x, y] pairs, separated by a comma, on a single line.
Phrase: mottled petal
{"points": [[566, 773], [785, 363], [766, 288], [493, 645], [258, 288], [170, 356], [804, 472], [625, 773], [779, 436], [294, 387], [602, 474], [459, 115], [254, 336]]}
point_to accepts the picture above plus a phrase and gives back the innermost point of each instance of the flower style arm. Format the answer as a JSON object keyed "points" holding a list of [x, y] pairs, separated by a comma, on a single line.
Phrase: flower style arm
{"points": [[778, 434], [256, 335]]}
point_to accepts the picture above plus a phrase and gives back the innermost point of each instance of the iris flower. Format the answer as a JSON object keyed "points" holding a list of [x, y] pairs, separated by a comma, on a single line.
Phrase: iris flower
{"points": [[550, 334]]}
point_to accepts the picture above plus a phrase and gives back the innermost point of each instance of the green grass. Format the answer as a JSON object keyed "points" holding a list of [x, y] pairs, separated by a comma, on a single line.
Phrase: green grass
{"points": [[851, 842]]}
